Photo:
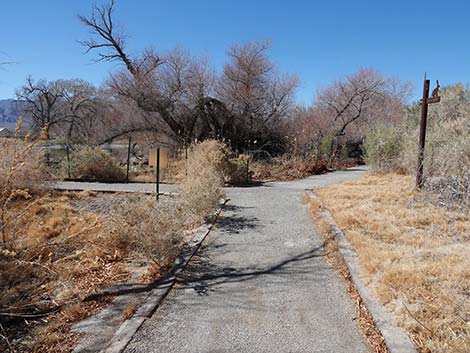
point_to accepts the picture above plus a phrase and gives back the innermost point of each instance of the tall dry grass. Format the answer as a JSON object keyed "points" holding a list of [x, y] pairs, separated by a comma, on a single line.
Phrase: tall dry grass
{"points": [[413, 254], [62, 254], [22, 172]]}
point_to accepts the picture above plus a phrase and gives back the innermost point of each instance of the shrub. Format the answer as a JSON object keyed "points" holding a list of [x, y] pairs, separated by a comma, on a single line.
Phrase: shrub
{"points": [[326, 147], [238, 170], [207, 167], [149, 228], [22, 172], [231, 169], [382, 148], [93, 163]]}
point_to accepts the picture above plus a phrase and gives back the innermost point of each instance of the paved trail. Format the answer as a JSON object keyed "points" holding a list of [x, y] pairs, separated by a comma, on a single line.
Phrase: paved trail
{"points": [[145, 188], [258, 284]]}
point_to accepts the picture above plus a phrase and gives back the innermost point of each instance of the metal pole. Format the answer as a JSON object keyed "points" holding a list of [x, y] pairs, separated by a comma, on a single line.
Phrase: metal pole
{"points": [[422, 134], [158, 174], [128, 158], [68, 160], [186, 155]]}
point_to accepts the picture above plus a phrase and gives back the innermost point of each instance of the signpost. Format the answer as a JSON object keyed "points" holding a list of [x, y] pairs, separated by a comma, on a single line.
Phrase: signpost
{"points": [[422, 128], [158, 159]]}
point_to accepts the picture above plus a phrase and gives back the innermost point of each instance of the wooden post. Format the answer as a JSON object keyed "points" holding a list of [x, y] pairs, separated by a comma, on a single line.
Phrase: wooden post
{"points": [[422, 134]]}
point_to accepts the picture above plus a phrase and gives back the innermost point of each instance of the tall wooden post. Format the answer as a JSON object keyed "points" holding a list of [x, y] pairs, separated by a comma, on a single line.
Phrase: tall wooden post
{"points": [[422, 133]]}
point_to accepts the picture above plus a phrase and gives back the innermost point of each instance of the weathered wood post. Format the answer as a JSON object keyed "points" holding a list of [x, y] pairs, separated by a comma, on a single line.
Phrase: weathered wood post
{"points": [[422, 127]]}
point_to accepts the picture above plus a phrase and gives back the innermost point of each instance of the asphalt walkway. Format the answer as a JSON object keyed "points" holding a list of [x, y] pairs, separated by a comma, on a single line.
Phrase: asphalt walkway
{"points": [[259, 283]]}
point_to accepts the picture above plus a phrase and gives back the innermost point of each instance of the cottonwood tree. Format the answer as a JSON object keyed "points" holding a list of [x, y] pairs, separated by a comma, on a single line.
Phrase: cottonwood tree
{"points": [[254, 92], [346, 109], [185, 94], [41, 104], [155, 83], [67, 107], [81, 104]]}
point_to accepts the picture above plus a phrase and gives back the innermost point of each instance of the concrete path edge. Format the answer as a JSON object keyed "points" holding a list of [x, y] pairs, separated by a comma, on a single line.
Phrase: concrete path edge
{"points": [[129, 327], [396, 340]]}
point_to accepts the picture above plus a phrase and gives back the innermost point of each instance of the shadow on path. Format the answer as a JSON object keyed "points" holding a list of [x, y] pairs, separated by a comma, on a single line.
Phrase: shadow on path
{"points": [[201, 270]]}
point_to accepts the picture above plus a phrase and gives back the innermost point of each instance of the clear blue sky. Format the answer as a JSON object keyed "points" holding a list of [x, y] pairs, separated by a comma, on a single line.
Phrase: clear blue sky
{"points": [[318, 40]]}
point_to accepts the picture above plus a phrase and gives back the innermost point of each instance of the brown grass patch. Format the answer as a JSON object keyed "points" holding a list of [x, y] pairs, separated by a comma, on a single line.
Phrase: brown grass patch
{"points": [[57, 257], [413, 255]]}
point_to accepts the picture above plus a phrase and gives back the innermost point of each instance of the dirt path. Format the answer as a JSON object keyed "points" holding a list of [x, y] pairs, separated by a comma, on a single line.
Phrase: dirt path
{"points": [[259, 283]]}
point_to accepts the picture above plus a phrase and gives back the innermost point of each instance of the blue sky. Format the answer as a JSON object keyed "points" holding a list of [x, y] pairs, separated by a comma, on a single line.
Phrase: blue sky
{"points": [[320, 41]]}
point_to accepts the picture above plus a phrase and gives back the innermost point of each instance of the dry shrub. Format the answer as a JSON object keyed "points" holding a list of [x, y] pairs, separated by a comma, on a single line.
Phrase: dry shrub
{"points": [[154, 229], [412, 254], [93, 163], [231, 168], [285, 168], [58, 256], [382, 148], [447, 155], [447, 159], [207, 166], [22, 172], [149, 228]]}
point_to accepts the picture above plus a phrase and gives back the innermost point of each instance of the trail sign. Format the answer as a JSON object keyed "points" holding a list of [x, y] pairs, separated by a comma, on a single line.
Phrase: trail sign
{"points": [[163, 158], [434, 100]]}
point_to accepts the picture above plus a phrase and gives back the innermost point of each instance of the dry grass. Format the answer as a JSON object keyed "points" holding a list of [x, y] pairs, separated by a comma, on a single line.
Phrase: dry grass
{"points": [[413, 255], [58, 257], [60, 251]]}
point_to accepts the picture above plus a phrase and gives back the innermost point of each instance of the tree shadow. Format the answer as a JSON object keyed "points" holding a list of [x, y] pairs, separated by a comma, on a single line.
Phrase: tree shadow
{"points": [[230, 222], [201, 274]]}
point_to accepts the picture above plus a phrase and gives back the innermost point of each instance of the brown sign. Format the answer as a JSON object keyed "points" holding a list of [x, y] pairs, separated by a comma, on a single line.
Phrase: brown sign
{"points": [[434, 100], [163, 158]]}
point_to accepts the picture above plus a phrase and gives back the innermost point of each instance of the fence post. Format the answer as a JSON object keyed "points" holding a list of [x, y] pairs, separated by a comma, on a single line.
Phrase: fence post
{"points": [[158, 174], [128, 158], [68, 160]]}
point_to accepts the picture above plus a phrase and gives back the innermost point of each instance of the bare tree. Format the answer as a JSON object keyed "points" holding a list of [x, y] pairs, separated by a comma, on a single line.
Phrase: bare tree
{"points": [[254, 92], [67, 107], [185, 94], [42, 103], [80, 105], [345, 110]]}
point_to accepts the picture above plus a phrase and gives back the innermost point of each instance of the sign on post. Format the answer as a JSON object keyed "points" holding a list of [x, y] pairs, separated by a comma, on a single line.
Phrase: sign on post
{"points": [[163, 158]]}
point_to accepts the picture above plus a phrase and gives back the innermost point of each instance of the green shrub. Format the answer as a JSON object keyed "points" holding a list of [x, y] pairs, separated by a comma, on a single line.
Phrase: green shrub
{"points": [[326, 147], [382, 148], [93, 163]]}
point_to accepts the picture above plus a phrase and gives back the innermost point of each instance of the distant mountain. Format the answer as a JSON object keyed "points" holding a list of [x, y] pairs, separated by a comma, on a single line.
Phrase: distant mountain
{"points": [[8, 111]]}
